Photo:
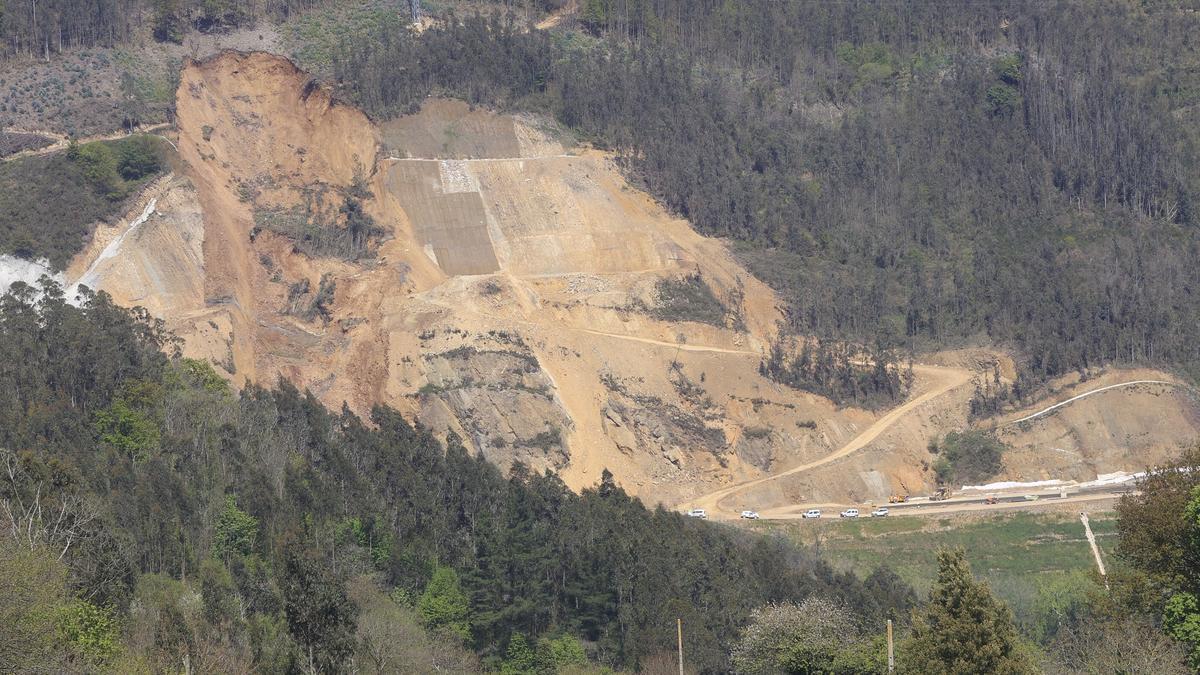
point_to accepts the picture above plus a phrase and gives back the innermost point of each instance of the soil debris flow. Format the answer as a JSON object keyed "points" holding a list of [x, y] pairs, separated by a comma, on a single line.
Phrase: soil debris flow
{"points": [[90, 277], [942, 379]]}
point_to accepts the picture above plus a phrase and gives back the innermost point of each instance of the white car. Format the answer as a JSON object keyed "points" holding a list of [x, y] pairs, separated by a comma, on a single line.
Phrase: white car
{"points": [[880, 512], [849, 513], [750, 515], [698, 513], [812, 513]]}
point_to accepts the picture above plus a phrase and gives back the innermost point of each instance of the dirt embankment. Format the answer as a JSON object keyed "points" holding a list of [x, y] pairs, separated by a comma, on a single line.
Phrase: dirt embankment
{"points": [[504, 289]]}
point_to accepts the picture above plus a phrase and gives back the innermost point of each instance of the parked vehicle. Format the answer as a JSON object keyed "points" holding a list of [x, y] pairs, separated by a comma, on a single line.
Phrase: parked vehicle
{"points": [[942, 493], [812, 513], [880, 512], [897, 499], [1031, 498], [698, 513], [849, 513], [750, 515], [991, 499]]}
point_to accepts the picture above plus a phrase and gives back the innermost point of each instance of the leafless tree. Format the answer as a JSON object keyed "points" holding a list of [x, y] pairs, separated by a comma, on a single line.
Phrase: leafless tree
{"points": [[1130, 645], [36, 513]]}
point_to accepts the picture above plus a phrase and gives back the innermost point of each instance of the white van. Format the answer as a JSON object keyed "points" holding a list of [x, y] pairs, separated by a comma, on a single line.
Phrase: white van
{"points": [[849, 513], [812, 513], [698, 513]]}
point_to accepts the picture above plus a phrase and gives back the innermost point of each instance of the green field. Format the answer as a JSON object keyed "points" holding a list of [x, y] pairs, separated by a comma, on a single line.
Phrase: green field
{"points": [[1022, 555]]}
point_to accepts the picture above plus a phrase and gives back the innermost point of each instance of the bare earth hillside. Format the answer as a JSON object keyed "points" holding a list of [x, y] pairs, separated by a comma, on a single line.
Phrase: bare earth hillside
{"points": [[511, 293]]}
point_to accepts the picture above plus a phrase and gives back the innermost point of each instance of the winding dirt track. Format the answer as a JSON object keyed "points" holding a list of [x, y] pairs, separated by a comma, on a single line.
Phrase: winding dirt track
{"points": [[940, 380]]}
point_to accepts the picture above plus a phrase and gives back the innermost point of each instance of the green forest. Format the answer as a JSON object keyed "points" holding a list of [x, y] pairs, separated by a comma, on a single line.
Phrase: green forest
{"points": [[46, 27]]}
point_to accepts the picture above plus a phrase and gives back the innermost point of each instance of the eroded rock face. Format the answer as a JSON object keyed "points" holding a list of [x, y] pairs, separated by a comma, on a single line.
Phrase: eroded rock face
{"points": [[470, 271], [500, 400]]}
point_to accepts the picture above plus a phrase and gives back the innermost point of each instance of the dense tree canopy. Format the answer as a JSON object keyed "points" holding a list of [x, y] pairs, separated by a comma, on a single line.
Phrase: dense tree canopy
{"points": [[966, 457]]}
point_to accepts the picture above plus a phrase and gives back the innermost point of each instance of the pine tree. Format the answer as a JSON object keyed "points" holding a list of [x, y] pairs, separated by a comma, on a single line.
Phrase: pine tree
{"points": [[963, 629], [520, 658], [235, 532], [320, 615], [444, 606]]}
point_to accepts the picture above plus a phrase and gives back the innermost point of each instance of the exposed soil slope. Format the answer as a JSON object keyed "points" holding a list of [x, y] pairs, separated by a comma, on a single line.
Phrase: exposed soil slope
{"points": [[506, 294]]}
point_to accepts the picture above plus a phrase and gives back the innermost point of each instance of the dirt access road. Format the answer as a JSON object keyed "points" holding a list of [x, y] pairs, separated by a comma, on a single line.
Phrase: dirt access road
{"points": [[1085, 394], [942, 380], [936, 381], [61, 142], [1013, 501]]}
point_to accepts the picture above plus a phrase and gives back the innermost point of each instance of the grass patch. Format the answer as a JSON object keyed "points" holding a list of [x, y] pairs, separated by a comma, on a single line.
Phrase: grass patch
{"points": [[757, 432], [688, 299], [48, 203], [1017, 553]]}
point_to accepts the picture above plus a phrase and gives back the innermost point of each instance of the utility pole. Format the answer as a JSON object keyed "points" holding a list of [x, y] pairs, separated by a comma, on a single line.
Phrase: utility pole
{"points": [[679, 628], [891, 650], [1087, 529]]}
